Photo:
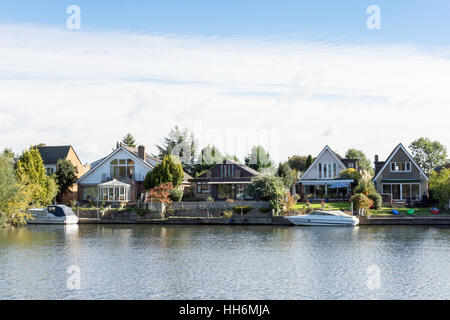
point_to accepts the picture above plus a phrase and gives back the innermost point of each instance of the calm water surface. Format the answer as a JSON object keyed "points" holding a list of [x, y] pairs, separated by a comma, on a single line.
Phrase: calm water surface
{"points": [[225, 262]]}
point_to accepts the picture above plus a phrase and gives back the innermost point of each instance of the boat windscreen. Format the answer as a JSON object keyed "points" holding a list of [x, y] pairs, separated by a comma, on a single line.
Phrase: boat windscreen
{"points": [[56, 211], [331, 213]]}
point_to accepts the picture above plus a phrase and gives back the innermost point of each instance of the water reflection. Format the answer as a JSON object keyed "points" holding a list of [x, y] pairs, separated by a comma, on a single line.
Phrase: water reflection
{"points": [[238, 262]]}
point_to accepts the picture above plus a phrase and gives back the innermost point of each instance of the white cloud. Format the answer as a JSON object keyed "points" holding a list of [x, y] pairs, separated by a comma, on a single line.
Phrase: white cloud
{"points": [[90, 88]]}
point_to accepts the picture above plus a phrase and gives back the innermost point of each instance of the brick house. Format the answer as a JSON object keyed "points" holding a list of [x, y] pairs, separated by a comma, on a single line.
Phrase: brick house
{"points": [[400, 176], [50, 156], [119, 177]]}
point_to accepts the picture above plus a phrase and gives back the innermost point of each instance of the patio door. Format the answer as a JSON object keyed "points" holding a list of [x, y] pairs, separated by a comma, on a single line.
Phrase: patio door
{"points": [[225, 191]]}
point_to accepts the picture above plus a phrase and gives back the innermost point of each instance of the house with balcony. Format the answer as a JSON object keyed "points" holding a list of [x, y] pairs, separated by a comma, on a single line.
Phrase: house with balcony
{"points": [[321, 180], [226, 180], [118, 177], [400, 176]]}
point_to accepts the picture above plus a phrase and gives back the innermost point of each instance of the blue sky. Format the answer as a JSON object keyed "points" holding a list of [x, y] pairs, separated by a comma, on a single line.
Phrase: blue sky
{"points": [[293, 76], [420, 22]]}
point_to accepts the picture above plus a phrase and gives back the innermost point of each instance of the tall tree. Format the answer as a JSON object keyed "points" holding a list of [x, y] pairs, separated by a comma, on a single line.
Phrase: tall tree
{"points": [[428, 154], [258, 159], [66, 175], [31, 172], [309, 162], [182, 144], [128, 140], [286, 174], [363, 161], [14, 196], [170, 170], [440, 186], [208, 158]]}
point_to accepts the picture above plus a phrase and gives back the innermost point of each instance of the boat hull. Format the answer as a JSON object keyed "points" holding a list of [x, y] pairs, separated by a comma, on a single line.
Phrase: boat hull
{"points": [[323, 221], [51, 221]]}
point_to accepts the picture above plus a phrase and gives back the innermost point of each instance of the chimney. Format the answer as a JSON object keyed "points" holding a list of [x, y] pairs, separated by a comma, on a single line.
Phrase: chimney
{"points": [[376, 158], [141, 152]]}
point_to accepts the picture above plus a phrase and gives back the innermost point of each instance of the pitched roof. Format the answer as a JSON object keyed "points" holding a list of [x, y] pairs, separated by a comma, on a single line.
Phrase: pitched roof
{"points": [[398, 147], [148, 156], [51, 154], [338, 158], [242, 166]]}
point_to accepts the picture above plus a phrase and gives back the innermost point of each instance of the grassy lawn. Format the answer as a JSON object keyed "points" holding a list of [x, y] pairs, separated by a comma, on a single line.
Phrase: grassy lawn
{"points": [[385, 211], [328, 206]]}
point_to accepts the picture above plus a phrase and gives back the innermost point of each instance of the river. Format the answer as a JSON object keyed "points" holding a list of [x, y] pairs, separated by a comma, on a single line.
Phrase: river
{"points": [[224, 262]]}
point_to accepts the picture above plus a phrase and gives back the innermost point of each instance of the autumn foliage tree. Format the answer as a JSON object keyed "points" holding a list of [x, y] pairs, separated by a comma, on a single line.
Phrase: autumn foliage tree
{"points": [[161, 193]]}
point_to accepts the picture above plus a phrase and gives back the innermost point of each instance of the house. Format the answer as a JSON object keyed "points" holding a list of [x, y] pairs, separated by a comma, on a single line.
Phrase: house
{"points": [[400, 176], [50, 156], [227, 180], [118, 177], [320, 180]]}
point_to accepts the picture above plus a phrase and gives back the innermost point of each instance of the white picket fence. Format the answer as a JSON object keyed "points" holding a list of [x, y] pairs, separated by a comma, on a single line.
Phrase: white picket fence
{"points": [[203, 205]]}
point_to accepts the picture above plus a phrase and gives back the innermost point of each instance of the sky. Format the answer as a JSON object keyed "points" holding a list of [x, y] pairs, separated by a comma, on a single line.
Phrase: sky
{"points": [[292, 76]]}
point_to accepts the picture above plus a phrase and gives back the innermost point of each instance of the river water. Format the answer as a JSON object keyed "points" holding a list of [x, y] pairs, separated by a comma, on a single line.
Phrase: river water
{"points": [[224, 262]]}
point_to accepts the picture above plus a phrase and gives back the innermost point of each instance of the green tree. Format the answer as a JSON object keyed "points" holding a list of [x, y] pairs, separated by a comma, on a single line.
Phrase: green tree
{"points": [[66, 175], [170, 170], [440, 186], [297, 163], [31, 172], [428, 154], [14, 196], [182, 144], [309, 162], [350, 173], [208, 158], [268, 188], [258, 159], [129, 141], [363, 161], [286, 174]]}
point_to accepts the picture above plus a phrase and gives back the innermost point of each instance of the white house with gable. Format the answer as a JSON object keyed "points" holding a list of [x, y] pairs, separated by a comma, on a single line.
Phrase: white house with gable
{"points": [[320, 180]]}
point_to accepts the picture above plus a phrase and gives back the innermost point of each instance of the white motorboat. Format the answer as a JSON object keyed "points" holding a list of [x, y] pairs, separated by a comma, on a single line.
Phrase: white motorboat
{"points": [[324, 218], [54, 214]]}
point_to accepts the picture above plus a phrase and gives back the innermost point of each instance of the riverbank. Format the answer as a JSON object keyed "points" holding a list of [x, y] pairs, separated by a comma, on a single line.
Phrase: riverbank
{"points": [[275, 221]]}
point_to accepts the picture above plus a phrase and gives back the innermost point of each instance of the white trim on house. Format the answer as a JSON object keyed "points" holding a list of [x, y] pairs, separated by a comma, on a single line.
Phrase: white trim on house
{"points": [[317, 159], [400, 146], [108, 157]]}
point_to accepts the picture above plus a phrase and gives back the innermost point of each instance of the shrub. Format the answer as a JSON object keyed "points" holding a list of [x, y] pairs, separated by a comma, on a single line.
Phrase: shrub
{"points": [[227, 213], [243, 209], [365, 186], [265, 209], [361, 201], [229, 200], [161, 193], [377, 200], [176, 195], [210, 199]]}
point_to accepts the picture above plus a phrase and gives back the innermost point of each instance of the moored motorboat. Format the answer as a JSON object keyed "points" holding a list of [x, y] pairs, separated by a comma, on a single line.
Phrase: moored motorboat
{"points": [[324, 218], [53, 214]]}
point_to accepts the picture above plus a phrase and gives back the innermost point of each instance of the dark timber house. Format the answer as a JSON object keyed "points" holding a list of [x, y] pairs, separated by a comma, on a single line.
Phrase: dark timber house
{"points": [[227, 180]]}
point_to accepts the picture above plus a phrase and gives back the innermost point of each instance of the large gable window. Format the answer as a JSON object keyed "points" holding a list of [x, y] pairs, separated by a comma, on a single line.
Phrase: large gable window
{"points": [[122, 169], [327, 170], [400, 166]]}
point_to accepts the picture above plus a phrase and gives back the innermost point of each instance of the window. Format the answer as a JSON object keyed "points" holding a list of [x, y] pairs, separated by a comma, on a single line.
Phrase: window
{"points": [[49, 171], [400, 166], [203, 187], [351, 165], [227, 171], [403, 191], [122, 169], [327, 170]]}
